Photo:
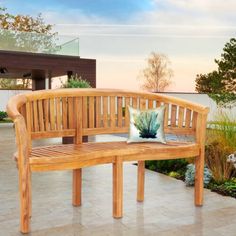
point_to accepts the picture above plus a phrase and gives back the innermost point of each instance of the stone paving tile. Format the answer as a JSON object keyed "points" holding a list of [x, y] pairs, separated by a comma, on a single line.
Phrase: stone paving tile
{"points": [[168, 209]]}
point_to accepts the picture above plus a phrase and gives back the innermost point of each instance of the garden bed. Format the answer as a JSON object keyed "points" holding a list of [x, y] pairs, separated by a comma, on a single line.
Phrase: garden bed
{"points": [[177, 169]]}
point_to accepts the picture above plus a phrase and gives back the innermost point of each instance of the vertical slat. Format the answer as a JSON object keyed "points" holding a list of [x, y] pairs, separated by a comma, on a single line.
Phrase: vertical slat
{"points": [[134, 102], [194, 120], [166, 119], [58, 113], [85, 112], [119, 111], [105, 112], [91, 112], [98, 111], [52, 114], [79, 115], [29, 121], [188, 118], [35, 111], [41, 120], [64, 113], [173, 115], [127, 104], [46, 114], [181, 117], [71, 113], [31, 109], [142, 103], [158, 103], [150, 104], [112, 112]]}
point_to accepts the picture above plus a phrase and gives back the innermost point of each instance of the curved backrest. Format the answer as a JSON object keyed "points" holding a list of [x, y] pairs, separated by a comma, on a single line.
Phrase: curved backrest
{"points": [[80, 112]]}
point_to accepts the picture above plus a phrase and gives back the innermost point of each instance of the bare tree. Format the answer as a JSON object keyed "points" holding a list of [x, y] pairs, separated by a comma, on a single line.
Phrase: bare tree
{"points": [[156, 77]]}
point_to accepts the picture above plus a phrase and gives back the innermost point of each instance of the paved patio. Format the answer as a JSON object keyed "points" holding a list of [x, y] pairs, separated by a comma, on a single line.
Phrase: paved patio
{"points": [[167, 210]]}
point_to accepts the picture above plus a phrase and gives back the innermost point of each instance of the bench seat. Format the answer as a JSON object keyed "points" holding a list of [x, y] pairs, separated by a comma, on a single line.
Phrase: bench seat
{"points": [[70, 156]]}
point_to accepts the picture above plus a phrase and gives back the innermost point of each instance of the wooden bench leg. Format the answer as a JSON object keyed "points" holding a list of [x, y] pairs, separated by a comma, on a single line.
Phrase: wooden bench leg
{"points": [[199, 179], [140, 181], [77, 186], [25, 199], [118, 188], [30, 195]]}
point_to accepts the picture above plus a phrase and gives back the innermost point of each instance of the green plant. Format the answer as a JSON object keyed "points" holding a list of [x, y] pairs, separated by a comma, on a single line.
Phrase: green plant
{"points": [[216, 160], [3, 115], [146, 123], [190, 175], [227, 188], [221, 141], [167, 166], [76, 82], [175, 174]]}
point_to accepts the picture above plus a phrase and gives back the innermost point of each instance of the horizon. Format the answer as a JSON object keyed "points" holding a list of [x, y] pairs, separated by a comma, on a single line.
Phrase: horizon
{"points": [[120, 35]]}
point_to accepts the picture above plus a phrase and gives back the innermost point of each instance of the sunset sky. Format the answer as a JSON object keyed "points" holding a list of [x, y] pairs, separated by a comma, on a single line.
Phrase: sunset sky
{"points": [[121, 34]]}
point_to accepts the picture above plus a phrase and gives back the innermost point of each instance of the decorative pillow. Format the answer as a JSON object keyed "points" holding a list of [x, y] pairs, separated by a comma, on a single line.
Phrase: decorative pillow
{"points": [[146, 125]]}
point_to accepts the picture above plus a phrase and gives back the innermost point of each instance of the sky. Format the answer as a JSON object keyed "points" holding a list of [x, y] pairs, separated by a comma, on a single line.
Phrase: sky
{"points": [[120, 35]]}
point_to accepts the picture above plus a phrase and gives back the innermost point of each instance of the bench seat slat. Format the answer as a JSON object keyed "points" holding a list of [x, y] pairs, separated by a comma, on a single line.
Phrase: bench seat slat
{"points": [[55, 156]]}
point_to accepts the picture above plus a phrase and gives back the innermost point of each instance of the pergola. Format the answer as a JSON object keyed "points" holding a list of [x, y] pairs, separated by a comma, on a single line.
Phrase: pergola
{"points": [[43, 67]]}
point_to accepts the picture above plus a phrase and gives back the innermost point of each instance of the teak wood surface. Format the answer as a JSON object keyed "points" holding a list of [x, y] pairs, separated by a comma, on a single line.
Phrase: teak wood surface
{"points": [[80, 112]]}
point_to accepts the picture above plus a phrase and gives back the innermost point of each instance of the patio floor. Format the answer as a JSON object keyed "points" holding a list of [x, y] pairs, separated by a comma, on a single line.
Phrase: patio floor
{"points": [[167, 210]]}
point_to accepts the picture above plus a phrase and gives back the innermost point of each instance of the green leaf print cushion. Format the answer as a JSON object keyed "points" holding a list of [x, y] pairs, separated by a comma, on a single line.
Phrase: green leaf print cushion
{"points": [[146, 125]]}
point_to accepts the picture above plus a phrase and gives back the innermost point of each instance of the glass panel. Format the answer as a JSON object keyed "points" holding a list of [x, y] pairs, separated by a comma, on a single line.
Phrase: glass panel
{"points": [[38, 43]]}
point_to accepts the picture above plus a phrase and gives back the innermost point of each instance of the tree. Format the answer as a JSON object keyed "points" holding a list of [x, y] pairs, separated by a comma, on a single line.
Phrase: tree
{"points": [[156, 77], [220, 84], [24, 33]]}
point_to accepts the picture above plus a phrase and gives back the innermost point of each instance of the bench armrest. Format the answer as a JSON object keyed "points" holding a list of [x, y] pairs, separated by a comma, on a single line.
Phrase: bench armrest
{"points": [[22, 140]]}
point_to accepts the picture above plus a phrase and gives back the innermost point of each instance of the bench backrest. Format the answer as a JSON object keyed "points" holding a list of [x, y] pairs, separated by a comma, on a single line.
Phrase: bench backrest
{"points": [[81, 112]]}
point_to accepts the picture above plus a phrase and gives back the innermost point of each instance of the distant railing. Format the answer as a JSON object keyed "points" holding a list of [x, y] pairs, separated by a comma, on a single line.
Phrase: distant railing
{"points": [[38, 43]]}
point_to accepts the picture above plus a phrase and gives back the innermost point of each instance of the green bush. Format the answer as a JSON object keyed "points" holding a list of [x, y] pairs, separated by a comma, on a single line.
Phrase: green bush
{"points": [[3, 115], [167, 166], [228, 188], [76, 82], [190, 175], [175, 174]]}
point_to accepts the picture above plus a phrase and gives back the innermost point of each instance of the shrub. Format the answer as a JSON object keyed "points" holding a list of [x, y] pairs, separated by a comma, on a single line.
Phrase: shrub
{"points": [[166, 166], [227, 188], [190, 175], [3, 115], [221, 141], [175, 174], [216, 160], [76, 82]]}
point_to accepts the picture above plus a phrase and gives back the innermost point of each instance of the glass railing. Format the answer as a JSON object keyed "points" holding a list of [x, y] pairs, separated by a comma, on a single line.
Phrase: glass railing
{"points": [[38, 43]]}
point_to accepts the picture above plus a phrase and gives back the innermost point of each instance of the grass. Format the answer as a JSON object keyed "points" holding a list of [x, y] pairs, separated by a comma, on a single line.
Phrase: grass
{"points": [[221, 142]]}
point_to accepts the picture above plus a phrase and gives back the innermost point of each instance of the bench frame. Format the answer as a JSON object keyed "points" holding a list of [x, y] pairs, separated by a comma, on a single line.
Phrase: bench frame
{"points": [[101, 113]]}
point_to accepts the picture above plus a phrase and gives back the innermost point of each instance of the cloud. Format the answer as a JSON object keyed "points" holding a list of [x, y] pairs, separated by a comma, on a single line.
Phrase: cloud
{"points": [[192, 33], [215, 6], [191, 12]]}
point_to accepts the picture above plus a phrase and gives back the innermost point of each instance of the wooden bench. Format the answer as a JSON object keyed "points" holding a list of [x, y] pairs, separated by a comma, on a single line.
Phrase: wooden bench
{"points": [[84, 112]]}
